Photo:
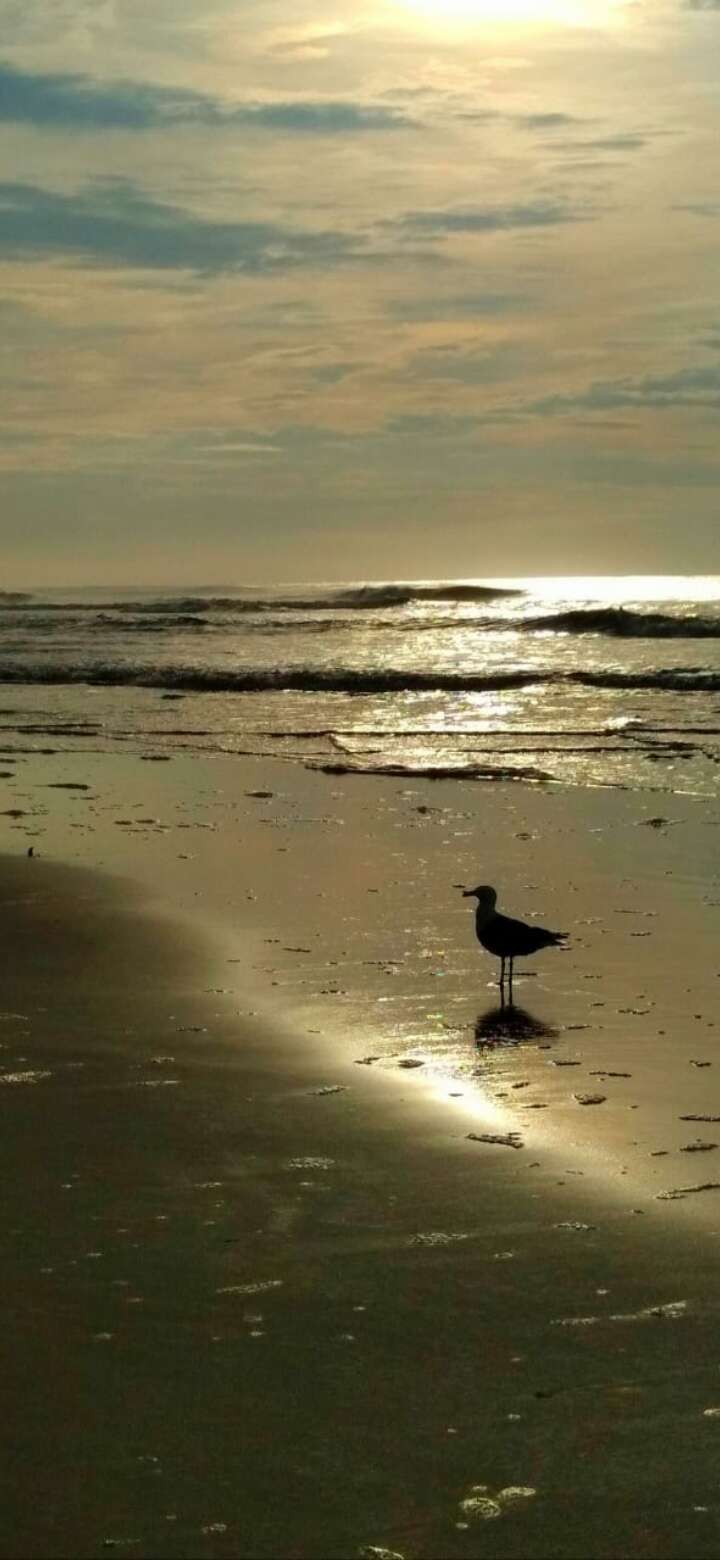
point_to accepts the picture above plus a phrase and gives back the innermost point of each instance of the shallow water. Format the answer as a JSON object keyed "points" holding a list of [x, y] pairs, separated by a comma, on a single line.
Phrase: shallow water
{"points": [[592, 681]]}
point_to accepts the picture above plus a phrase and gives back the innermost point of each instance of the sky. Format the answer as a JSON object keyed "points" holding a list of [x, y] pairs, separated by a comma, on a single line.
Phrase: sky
{"points": [[312, 289]]}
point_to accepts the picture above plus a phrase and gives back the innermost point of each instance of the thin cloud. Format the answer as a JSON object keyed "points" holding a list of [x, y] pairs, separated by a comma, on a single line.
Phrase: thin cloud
{"points": [[689, 387], [613, 141], [81, 104], [455, 306], [490, 219], [115, 224], [701, 208], [624, 141], [472, 365], [550, 121], [319, 118]]}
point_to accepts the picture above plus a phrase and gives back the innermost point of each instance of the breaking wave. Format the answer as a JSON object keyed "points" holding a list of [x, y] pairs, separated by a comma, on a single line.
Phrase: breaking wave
{"points": [[404, 595], [348, 680], [624, 623], [691, 679], [307, 613], [46, 622], [302, 679], [354, 598]]}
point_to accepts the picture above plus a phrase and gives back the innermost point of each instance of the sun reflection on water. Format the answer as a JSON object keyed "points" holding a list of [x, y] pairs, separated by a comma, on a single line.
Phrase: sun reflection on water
{"points": [[469, 1074], [618, 589]]}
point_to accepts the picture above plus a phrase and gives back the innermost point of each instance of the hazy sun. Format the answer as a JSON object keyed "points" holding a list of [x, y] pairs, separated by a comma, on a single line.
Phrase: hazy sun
{"points": [[537, 13]]}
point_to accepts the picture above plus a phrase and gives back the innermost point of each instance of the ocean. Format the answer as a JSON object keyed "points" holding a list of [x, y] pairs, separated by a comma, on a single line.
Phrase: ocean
{"points": [[593, 681]]}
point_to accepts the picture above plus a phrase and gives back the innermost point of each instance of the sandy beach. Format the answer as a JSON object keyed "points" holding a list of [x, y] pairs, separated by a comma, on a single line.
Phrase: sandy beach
{"points": [[271, 1289]]}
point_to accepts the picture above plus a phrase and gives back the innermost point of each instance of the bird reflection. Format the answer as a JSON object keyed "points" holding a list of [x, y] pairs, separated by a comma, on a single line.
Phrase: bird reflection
{"points": [[509, 1025]]}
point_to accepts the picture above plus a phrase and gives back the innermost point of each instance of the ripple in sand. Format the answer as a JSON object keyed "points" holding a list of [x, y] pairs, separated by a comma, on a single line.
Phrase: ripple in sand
{"points": [[435, 1238], [678, 1192], [310, 1162], [155, 1083], [374, 1552], [503, 1139], [24, 1077], [260, 1287], [480, 1505], [671, 1311]]}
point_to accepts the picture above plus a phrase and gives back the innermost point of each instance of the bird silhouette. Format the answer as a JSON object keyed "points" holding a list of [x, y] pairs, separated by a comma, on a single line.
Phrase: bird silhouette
{"points": [[506, 938]]}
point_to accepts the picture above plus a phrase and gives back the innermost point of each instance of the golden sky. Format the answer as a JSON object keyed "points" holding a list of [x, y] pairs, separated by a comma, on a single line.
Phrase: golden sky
{"points": [[405, 288]]}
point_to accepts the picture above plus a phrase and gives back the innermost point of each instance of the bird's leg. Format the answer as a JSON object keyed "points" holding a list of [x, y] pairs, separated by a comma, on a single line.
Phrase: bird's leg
{"points": [[502, 975], [511, 982]]}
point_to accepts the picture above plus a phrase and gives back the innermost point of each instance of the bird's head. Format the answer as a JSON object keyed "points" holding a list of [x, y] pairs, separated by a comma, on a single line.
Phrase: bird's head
{"points": [[486, 896]]}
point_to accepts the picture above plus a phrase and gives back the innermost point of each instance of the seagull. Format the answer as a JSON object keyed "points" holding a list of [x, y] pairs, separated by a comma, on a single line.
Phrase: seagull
{"points": [[506, 938]]}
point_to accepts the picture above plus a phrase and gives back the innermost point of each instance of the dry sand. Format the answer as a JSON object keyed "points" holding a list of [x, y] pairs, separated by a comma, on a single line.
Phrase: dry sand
{"points": [[261, 1300]]}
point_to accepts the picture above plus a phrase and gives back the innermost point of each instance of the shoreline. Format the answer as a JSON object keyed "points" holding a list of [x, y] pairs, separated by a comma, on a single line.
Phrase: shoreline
{"points": [[340, 914]]}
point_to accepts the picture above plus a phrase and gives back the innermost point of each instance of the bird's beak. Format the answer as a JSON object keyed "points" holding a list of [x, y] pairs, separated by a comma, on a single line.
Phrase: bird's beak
{"points": [[468, 893]]}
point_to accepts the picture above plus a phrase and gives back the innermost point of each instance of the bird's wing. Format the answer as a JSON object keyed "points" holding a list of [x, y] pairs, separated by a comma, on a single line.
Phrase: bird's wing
{"points": [[522, 939]]}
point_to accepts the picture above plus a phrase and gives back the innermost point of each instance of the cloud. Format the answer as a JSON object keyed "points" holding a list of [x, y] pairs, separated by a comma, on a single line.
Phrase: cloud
{"points": [[626, 470], [689, 387], [471, 364], [424, 425], [33, 21], [613, 141], [701, 5], [80, 103], [490, 219], [551, 121], [455, 306], [114, 223], [701, 208], [319, 118], [624, 141]]}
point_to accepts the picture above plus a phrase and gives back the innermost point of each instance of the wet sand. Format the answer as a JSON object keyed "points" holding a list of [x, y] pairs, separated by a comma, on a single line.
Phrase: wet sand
{"points": [[261, 1300]]}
